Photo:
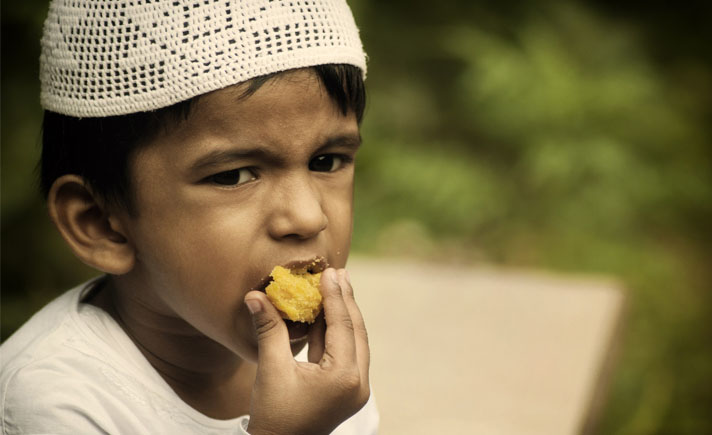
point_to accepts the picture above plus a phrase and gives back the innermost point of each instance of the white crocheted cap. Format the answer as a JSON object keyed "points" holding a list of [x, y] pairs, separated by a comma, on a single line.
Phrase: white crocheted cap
{"points": [[113, 57]]}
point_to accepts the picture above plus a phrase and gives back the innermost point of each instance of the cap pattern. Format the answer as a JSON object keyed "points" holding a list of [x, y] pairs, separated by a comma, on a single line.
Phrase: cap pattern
{"points": [[113, 57]]}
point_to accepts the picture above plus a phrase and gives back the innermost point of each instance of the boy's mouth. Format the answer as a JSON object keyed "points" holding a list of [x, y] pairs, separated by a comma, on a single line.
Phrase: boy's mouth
{"points": [[298, 331]]}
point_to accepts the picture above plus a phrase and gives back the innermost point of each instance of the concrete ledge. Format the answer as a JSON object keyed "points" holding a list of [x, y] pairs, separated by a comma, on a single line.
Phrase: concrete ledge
{"points": [[485, 351]]}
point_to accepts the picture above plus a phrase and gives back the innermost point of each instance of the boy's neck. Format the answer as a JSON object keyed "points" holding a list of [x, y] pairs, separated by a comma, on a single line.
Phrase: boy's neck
{"points": [[209, 377]]}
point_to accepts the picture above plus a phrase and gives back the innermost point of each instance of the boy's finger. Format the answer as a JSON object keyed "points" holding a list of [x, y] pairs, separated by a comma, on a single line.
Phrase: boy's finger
{"points": [[271, 332], [339, 343], [360, 333]]}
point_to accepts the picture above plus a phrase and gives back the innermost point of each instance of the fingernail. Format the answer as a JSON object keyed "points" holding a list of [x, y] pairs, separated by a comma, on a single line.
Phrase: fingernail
{"points": [[253, 305]]}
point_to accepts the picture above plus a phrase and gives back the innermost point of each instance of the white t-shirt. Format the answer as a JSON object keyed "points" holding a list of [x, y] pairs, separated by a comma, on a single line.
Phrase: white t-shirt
{"points": [[71, 369]]}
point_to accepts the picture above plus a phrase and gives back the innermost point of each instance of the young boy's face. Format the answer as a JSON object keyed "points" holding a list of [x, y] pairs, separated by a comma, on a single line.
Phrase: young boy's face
{"points": [[240, 186]]}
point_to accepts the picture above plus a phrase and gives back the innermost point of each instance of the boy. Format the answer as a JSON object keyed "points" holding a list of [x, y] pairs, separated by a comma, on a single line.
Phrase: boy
{"points": [[189, 147]]}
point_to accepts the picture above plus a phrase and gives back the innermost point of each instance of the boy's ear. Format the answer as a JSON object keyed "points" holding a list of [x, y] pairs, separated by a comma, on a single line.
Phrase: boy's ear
{"points": [[95, 235]]}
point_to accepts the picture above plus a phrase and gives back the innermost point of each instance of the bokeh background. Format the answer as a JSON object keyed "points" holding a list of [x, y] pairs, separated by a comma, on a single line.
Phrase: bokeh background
{"points": [[572, 136]]}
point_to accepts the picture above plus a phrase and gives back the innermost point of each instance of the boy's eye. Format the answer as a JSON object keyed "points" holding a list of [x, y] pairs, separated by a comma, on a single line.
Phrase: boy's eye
{"points": [[326, 163], [233, 177]]}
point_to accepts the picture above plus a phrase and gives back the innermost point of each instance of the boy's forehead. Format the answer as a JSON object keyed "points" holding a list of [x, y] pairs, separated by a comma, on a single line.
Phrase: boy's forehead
{"points": [[289, 107], [279, 99], [277, 92]]}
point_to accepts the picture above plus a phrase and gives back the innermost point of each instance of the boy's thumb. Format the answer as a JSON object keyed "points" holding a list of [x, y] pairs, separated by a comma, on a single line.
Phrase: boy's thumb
{"points": [[270, 329]]}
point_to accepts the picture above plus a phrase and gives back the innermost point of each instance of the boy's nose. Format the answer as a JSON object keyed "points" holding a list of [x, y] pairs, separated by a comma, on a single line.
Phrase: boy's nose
{"points": [[297, 211]]}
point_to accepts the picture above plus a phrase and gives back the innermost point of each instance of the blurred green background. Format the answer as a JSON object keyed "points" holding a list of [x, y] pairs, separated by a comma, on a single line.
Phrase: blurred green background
{"points": [[571, 136]]}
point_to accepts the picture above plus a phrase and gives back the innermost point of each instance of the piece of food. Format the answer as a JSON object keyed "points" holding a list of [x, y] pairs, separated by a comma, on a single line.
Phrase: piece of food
{"points": [[295, 294]]}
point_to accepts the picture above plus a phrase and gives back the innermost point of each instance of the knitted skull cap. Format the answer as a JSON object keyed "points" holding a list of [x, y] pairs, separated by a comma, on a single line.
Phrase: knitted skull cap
{"points": [[114, 57]]}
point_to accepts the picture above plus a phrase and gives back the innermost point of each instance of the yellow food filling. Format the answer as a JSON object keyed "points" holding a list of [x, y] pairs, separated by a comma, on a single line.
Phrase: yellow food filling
{"points": [[295, 294]]}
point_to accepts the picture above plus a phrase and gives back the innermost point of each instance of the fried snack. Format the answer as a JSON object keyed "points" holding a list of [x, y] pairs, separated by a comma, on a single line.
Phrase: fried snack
{"points": [[295, 294]]}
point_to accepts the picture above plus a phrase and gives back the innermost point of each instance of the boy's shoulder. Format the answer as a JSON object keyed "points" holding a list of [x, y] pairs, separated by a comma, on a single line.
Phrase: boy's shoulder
{"points": [[37, 396], [41, 372], [71, 369], [45, 332], [55, 345]]}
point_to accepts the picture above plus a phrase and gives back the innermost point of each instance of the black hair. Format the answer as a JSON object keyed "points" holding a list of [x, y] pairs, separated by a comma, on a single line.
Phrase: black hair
{"points": [[99, 149]]}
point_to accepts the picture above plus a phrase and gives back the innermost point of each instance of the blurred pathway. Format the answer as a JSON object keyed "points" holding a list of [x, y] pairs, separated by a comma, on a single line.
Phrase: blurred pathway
{"points": [[484, 350]]}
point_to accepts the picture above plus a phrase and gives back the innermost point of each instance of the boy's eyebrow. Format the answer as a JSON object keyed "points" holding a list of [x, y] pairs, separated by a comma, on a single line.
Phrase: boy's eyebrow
{"points": [[351, 141], [218, 157]]}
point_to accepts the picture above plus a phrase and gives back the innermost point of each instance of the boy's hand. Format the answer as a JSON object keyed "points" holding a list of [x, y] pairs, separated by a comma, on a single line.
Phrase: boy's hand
{"points": [[291, 397]]}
